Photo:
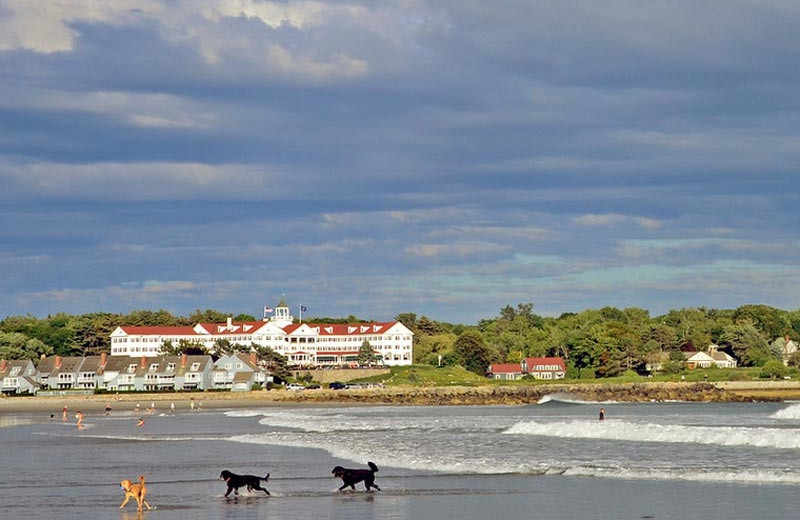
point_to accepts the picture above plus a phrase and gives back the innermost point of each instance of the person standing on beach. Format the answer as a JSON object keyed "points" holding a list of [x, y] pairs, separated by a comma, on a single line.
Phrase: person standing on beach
{"points": [[172, 408], [79, 416], [64, 414], [108, 408], [602, 416]]}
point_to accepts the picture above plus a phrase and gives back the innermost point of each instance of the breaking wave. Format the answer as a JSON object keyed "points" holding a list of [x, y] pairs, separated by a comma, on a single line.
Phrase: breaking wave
{"points": [[790, 412], [780, 438]]}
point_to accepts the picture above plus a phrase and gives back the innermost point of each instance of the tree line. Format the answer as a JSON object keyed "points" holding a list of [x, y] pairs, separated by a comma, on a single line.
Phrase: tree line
{"points": [[595, 342]]}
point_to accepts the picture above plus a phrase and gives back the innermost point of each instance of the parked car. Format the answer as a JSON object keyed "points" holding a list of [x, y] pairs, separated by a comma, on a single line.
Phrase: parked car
{"points": [[336, 385], [295, 387], [312, 386]]}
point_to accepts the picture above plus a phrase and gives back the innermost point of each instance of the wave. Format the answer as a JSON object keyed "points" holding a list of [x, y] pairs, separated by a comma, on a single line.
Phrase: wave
{"points": [[327, 421], [790, 412], [568, 399], [437, 464], [781, 438]]}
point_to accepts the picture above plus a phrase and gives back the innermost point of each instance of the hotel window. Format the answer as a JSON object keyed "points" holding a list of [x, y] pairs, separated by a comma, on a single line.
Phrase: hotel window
{"points": [[195, 367]]}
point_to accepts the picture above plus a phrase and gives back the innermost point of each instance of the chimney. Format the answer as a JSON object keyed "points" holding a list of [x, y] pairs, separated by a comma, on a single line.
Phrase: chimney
{"points": [[3, 364], [103, 359], [143, 362], [230, 323], [254, 358], [184, 359], [58, 362]]}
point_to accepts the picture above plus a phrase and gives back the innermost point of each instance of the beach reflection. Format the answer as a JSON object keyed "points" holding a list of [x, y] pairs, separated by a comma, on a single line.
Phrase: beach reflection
{"points": [[7, 421]]}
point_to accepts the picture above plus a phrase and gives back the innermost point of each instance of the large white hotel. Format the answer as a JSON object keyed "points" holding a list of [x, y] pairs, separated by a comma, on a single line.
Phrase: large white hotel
{"points": [[300, 343]]}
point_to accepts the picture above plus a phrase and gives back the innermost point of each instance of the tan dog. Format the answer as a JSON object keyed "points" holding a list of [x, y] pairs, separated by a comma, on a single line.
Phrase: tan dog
{"points": [[135, 490]]}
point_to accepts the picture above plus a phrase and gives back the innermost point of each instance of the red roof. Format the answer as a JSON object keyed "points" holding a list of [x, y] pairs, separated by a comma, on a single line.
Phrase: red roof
{"points": [[239, 327], [344, 329], [160, 331], [505, 368], [532, 362]]}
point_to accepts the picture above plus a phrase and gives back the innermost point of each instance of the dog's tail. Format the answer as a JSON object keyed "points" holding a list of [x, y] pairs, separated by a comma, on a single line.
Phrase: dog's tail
{"points": [[266, 478], [141, 479], [372, 466]]}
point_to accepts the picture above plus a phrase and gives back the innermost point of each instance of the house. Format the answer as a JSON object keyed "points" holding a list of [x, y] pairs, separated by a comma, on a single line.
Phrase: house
{"points": [[302, 344], [654, 361], [18, 377], [699, 360], [238, 372], [505, 371], [544, 367], [721, 359], [194, 373], [59, 373], [785, 346]]}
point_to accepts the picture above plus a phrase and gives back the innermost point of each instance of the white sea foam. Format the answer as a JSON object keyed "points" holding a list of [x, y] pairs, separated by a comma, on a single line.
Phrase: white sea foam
{"points": [[790, 412], [780, 438], [569, 399], [732, 476]]}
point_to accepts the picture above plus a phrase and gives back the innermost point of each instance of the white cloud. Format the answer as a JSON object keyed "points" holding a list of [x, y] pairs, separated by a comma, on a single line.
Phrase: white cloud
{"points": [[142, 181], [613, 219], [45, 26], [133, 108]]}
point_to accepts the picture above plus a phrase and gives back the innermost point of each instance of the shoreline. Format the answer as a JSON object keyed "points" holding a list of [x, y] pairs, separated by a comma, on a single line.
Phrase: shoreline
{"points": [[739, 391]]}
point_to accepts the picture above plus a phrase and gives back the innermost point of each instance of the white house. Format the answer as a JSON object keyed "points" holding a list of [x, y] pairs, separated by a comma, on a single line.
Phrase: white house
{"points": [[699, 360], [786, 346], [18, 377], [302, 344], [505, 371], [545, 367]]}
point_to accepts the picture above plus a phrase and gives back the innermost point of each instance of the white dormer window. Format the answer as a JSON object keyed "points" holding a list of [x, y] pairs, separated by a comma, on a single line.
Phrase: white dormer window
{"points": [[195, 367], [132, 368], [14, 371], [153, 367], [171, 367]]}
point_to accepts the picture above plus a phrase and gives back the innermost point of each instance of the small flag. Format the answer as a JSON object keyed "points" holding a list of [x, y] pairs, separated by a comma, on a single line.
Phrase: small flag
{"points": [[303, 308], [267, 309]]}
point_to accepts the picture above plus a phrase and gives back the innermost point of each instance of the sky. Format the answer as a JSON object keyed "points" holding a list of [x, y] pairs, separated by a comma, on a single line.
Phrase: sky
{"points": [[446, 157]]}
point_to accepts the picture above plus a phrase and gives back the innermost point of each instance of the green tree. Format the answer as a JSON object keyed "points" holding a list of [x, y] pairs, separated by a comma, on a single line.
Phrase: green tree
{"points": [[15, 345], [272, 361], [244, 317], [366, 354], [208, 316], [773, 369], [472, 353], [747, 344]]}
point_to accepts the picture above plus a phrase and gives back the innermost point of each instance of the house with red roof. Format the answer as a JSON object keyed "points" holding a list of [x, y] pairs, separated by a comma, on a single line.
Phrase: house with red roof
{"points": [[302, 344], [545, 367], [505, 371]]}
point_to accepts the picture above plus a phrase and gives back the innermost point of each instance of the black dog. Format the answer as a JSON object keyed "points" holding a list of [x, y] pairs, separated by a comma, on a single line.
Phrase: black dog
{"points": [[351, 477], [235, 481]]}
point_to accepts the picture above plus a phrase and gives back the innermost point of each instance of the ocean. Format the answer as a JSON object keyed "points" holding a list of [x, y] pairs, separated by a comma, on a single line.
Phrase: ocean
{"points": [[554, 460]]}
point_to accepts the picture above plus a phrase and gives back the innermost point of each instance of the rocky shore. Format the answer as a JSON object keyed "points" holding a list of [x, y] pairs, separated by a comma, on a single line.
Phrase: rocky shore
{"points": [[460, 395]]}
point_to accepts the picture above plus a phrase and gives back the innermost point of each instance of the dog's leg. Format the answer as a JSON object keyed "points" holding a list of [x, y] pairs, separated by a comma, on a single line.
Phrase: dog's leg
{"points": [[127, 498], [145, 503], [256, 486]]}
